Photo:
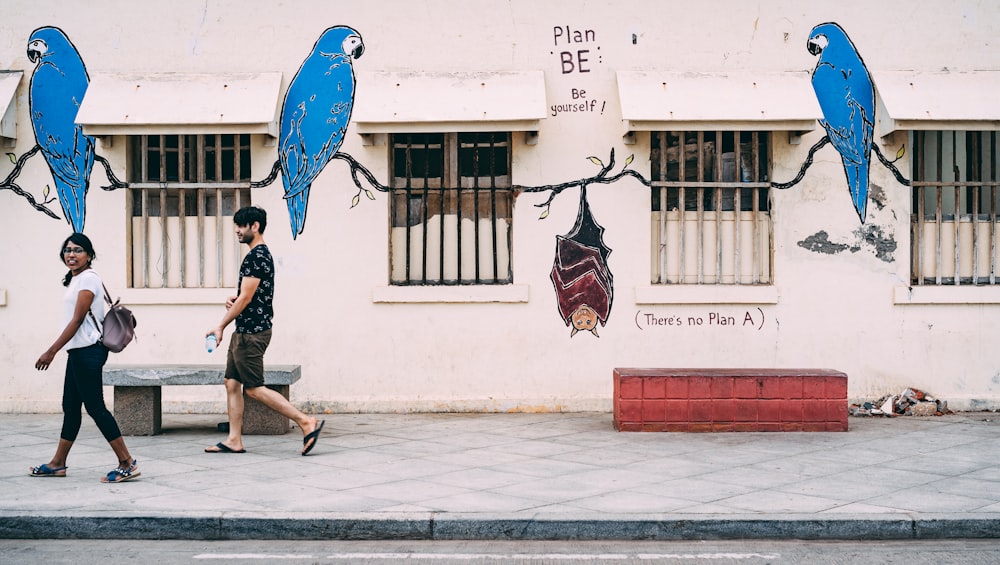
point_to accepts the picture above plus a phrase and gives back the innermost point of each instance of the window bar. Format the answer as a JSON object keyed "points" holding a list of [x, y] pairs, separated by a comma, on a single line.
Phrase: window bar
{"points": [[681, 176], [181, 148], [475, 214], [993, 206], [219, 227], [163, 213], [737, 207], [957, 224], [237, 204], [144, 206], [755, 258], [493, 209], [974, 172], [424, 209], [662, 251], [717, 200], [460, 194], [918, 200], [201, 194], [453, 182], [682, 206], [238, 148], [939, 190], [408, 175], [699, 194]]}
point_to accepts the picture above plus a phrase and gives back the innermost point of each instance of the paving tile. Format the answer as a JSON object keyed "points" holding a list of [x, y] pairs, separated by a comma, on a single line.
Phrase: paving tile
{"points": [[630, 503], [408, 490], [777, 502], [480, 502], [693, 489]]}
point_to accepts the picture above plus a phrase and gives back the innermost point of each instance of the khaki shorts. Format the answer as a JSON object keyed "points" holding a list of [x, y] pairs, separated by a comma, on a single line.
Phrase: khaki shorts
{"points": [[245, 361]]}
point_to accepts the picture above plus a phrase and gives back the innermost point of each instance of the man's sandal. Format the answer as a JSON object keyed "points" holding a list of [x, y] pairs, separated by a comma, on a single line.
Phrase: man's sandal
{"points": [[119, 475], [44, 470]]}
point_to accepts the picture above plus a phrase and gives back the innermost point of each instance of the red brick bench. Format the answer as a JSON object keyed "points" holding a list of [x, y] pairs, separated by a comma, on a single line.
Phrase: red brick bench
{"points": [[730, 400]]}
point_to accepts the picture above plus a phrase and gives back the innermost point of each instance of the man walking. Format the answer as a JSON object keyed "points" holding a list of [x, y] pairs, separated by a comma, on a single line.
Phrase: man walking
{"points": [[252, 309]]}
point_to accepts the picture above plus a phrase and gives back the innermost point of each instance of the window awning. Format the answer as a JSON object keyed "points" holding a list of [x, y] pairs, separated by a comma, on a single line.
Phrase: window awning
{"points": [[914, 100], [410, 102], [8, 107], [180, 103], [737, 101]]}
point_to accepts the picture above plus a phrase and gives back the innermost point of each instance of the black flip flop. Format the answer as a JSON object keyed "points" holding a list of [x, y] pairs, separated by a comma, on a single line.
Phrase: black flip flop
{"points": [[223, 448], [314, 436]]}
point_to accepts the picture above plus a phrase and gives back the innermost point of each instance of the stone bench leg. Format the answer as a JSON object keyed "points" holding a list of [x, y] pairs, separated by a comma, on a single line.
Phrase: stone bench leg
{"points": [[258, 419], [137, 410]]}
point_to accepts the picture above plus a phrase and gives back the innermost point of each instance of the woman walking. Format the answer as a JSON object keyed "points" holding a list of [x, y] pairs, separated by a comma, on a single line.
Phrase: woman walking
{"points": [[83, 316]]}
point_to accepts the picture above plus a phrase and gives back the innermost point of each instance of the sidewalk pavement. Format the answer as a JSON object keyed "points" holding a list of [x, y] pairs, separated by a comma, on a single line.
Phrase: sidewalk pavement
{"points": [[512, 476]]}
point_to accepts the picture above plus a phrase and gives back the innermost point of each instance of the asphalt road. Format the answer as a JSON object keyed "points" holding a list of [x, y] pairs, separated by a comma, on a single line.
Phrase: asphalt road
{"points": [[752, 552]]}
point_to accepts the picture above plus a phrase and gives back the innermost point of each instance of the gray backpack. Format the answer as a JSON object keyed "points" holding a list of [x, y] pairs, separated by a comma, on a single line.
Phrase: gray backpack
{"points": [[119, 325]]}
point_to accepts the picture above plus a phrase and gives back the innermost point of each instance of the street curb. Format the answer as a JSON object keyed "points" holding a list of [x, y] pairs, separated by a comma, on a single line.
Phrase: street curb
{"points": [[432, 526]]}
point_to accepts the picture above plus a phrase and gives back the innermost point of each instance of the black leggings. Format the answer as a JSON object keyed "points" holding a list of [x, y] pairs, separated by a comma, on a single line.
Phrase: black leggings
{"points": [[84, 387]]}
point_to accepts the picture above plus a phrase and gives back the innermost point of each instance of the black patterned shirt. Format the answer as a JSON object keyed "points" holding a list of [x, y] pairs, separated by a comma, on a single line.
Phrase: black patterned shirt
{"points": [[256, 317]]}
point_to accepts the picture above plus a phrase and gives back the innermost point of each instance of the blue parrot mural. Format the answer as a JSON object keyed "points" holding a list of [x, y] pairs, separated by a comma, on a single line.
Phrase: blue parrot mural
{"points": [[315, 115], [847, 98], [58, 84]]}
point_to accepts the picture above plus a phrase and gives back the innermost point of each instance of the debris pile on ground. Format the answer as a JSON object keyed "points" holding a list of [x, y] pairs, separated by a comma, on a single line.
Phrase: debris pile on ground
{"points": [[910, 402]]}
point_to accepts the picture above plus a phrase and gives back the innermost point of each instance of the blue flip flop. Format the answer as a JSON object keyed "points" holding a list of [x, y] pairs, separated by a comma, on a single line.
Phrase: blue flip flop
{"points": [[120, 475], [44, 470]]}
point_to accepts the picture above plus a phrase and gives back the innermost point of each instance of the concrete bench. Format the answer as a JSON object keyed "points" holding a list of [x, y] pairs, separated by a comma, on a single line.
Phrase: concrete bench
{"points": [[730, 400], [138, 406]]}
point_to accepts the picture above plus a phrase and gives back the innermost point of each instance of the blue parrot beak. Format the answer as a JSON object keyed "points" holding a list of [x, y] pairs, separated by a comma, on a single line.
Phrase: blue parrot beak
{"points": [[816, 44], [34, 56], [358, 51]]}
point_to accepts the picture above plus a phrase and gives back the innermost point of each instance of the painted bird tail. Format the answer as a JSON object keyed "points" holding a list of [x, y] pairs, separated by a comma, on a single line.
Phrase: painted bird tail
{"points": [[297, 211], [857, 181]]}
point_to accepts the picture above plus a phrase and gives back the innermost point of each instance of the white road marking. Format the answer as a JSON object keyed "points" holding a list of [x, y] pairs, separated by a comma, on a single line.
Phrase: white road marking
{"points": [[504, 556]]}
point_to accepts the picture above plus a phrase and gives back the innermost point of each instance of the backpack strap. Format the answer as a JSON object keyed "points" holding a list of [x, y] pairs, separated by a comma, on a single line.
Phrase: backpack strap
{"points": [[107, 295], [107, 298]]}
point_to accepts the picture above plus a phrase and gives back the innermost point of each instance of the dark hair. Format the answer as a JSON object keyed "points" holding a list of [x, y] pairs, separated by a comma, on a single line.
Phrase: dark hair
{"points": [[84, 242], [247, 215]]}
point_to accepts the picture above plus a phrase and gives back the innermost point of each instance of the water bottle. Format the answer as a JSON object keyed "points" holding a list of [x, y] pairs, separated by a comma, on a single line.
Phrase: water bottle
{"points": [[210, 342]]}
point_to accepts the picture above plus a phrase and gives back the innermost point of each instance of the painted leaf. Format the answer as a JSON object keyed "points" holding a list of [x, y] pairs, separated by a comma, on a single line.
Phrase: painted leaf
{"points": [[901, 152], [630, 159], [545, 214], [369, 194], [45, 193], [355, 200], [596, 161], [10, 156]]}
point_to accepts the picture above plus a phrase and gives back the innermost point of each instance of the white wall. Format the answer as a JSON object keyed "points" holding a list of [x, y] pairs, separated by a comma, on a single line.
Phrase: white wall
{"points": [[833, 310]]}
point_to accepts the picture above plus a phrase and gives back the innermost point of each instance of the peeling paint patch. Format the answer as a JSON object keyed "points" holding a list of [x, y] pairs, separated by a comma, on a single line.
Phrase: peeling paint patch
{"points": [[883, 244], [877, 195], [820, 243], [871, 236]]}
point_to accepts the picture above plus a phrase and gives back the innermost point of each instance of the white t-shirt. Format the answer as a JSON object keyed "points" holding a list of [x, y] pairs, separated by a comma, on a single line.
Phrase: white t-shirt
{"points": [[88, 333]]}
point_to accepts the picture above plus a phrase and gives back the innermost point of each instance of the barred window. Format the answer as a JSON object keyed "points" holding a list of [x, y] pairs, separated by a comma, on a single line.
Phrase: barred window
{"points": [[183, 192], [955, 208], [451, 209], [710, 221]]}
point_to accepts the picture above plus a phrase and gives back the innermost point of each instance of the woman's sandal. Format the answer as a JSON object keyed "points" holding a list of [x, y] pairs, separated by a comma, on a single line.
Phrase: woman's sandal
{"points": [[44, 470], [119, 475]]}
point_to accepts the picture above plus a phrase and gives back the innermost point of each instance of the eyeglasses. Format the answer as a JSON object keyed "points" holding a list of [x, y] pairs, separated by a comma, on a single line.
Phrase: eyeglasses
{"points": [[73, 250]]}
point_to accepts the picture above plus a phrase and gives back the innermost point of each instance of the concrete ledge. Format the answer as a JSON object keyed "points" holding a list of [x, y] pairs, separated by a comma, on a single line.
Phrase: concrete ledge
{"points": [[166, 375], [139, 403], [437, 526]]}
